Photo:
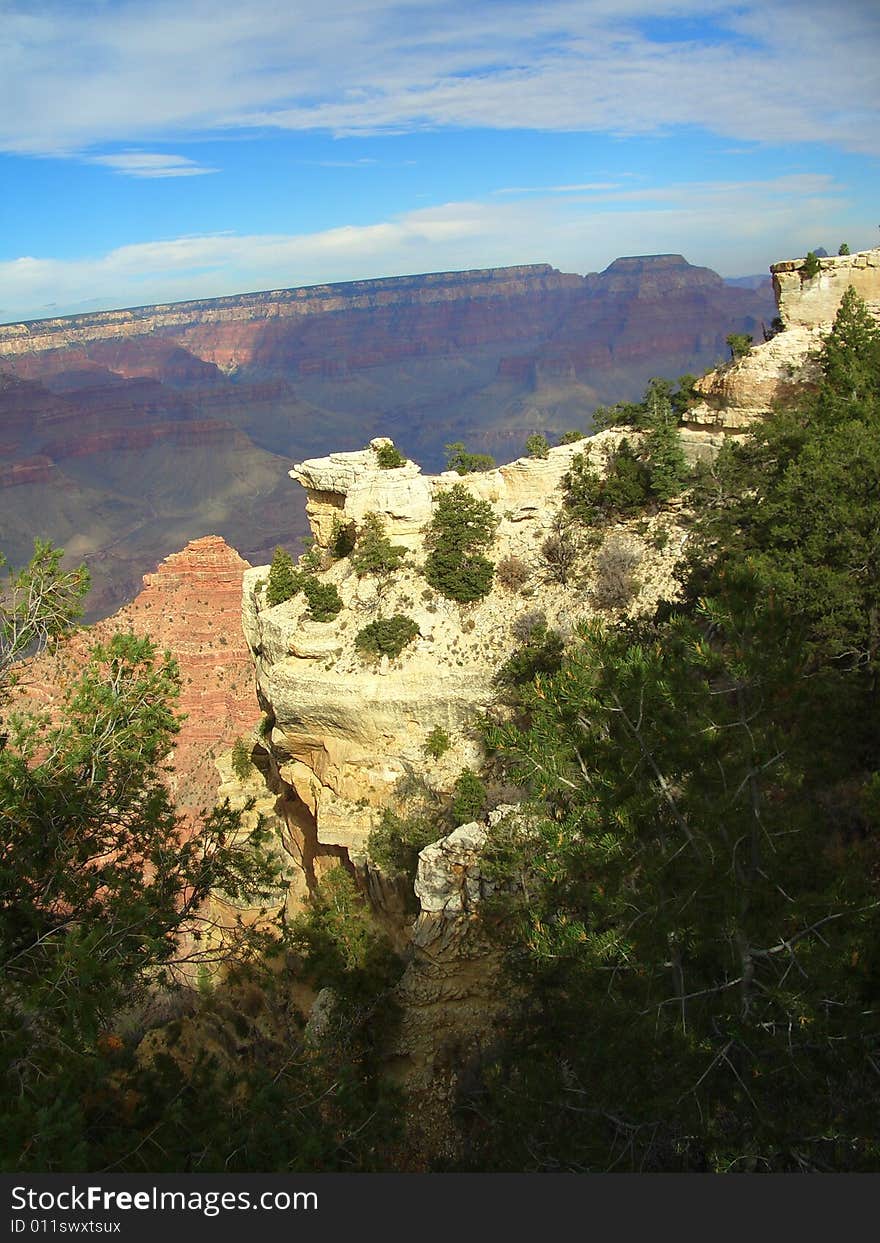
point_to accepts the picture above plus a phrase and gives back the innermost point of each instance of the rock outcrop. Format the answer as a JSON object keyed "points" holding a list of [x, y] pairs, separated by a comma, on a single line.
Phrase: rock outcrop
{"points": [[348, 733], [737, 394]]}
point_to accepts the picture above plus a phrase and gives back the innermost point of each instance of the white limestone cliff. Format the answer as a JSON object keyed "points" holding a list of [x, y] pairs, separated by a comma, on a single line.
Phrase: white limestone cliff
{"points": [[736, 395]]}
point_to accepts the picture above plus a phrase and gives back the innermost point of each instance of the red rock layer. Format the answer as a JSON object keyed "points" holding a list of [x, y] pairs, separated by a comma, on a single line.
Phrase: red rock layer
{"points": [[191, 606]]}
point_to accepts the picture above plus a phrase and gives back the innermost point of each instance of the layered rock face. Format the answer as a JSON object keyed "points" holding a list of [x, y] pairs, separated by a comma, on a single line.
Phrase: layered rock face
{"points": [[190, 606], [735, 395], [348, 733], [123, 434], [812, 302]]}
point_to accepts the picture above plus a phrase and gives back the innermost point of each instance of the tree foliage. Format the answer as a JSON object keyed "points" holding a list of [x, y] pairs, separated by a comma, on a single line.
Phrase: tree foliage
{"points": [[39, 603], [374, 553], [461, 527], [465, 463], [386, 636], [698, 945]]}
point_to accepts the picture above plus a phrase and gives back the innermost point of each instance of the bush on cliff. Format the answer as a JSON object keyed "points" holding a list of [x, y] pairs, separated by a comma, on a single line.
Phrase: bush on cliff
{"points": [[464, 463], [462, 525], [389, 457], [386, 636], [324, 600], [284, 579], [374, 553]]}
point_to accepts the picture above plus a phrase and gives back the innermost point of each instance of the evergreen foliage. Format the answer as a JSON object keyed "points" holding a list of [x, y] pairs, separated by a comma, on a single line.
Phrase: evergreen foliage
{"points": [[39, 603], [242, 764], [663, 452], [698, 943], [374, 553], [462, 525], [324, 600], [394, 845], [284, 580], [810, 266], [739, 344], [437, 743], [465, 463], [537, 446], [98, 887], [389, 457], [571, 437], [624, 489], [539, 655], [386, 636], [468, 797], [342, 538]]}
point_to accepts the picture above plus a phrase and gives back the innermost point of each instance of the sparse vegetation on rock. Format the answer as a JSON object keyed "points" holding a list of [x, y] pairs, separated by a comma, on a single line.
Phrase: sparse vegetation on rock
{"points": [[464, 463], [537, 445], [386, 636], [389, 457]]}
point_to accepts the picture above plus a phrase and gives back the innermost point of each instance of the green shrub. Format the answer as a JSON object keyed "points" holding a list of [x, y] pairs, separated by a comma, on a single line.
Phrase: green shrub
{"points": [[469, 797], [541, 652], [373, 552], [464, 577], [624, 489], [511, 573], [571, 437], [388, 457], [462, 524], [341, 944], [395, 843], [387, 636], [437, 743], [458, 459], [810, 266], [284, 580], [668, 469], [242, 764], [537, 446], [843, 249], [323, 598], [342, 538], [739, 344]]}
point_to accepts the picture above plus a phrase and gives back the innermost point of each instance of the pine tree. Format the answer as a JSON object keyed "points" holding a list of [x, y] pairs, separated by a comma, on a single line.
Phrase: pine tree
{"points": [[667, 465], [284, 580]]}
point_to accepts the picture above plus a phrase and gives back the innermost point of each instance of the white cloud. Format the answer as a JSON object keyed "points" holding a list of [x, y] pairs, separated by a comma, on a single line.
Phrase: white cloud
{"points": [[152, 164], [730, 226], [102, 71]]}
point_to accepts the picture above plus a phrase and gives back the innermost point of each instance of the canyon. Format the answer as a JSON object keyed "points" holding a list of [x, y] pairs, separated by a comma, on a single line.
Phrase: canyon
{"points": [[124, 434]]}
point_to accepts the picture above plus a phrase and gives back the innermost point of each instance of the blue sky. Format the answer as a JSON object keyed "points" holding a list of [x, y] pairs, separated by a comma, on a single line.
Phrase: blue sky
{"points": [[153, 150]]}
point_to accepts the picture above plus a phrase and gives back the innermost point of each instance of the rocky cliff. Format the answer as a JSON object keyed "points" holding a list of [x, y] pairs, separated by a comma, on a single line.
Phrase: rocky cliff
{"points": [[348, 733], [737, 394]]}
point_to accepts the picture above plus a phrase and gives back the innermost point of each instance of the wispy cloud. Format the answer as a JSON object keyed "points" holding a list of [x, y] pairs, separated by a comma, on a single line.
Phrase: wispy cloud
{"points": [[582, 187], [726, 224], [104, 71], [152, 164]]}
